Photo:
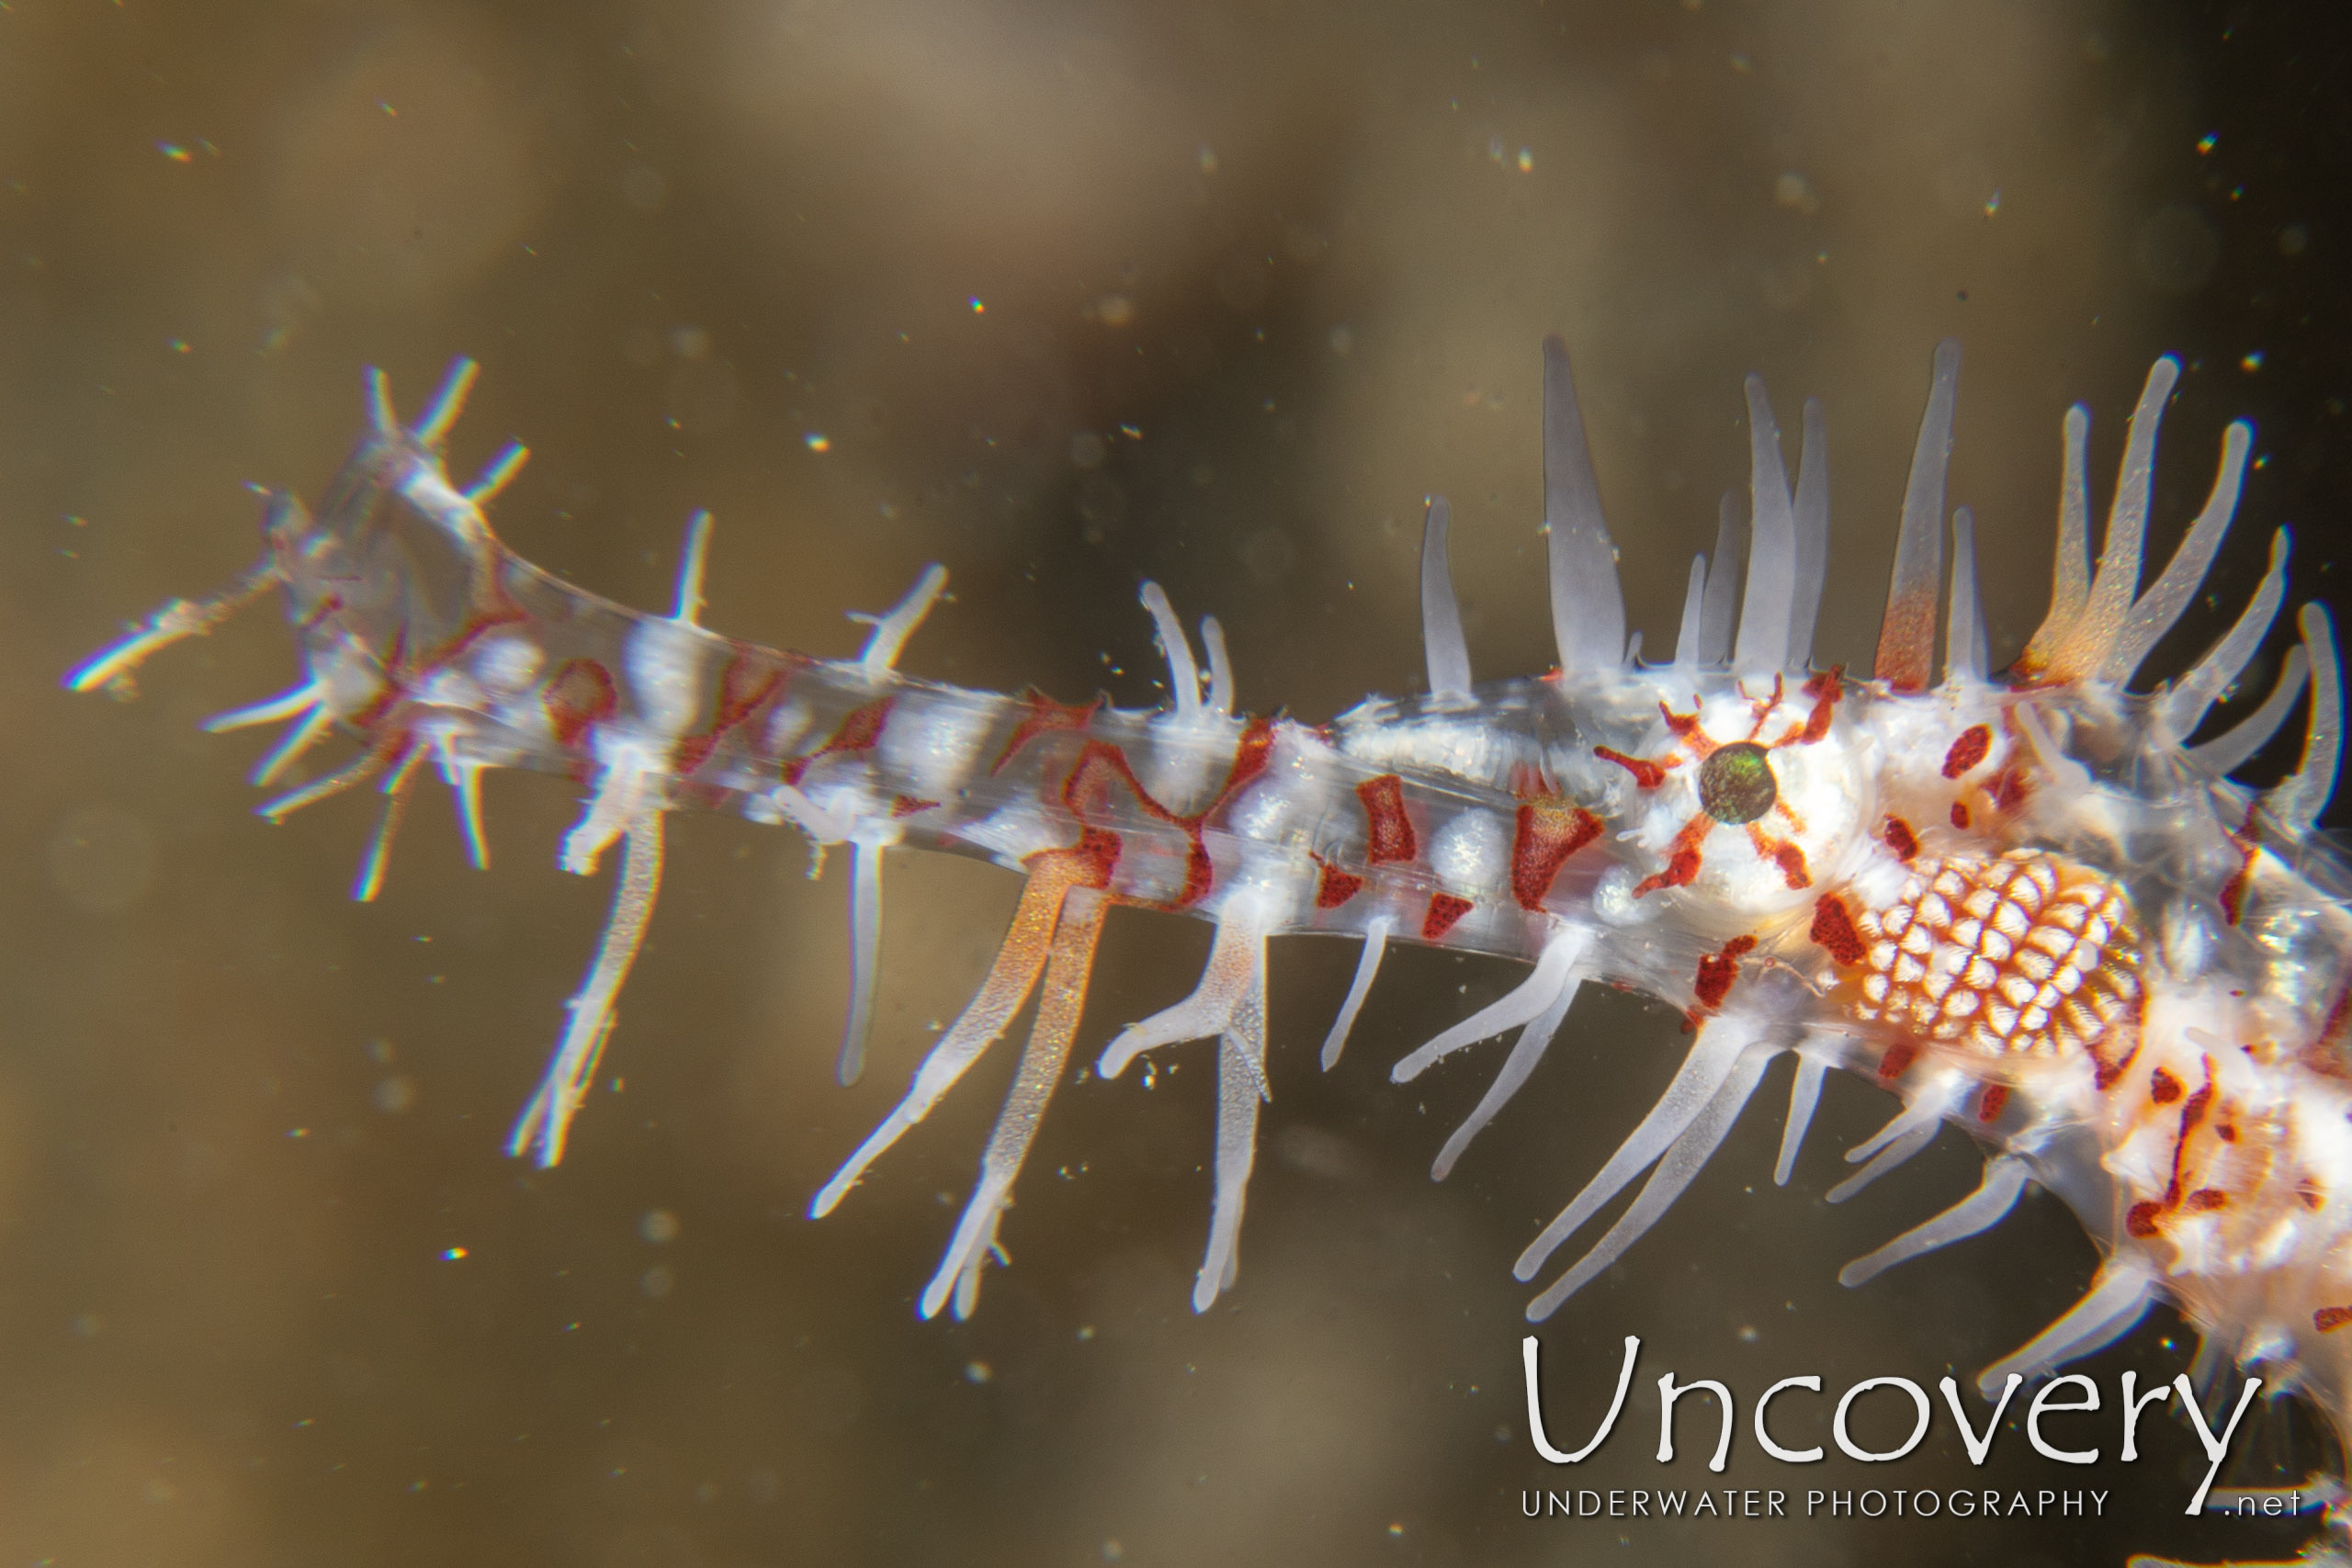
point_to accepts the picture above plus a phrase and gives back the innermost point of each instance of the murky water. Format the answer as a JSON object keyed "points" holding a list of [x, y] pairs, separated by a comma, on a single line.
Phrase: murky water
{"points": [[1062, 298]]}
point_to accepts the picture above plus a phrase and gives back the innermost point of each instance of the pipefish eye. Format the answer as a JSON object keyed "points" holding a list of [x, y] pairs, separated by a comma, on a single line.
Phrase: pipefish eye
{"points": [[1735, 783]]}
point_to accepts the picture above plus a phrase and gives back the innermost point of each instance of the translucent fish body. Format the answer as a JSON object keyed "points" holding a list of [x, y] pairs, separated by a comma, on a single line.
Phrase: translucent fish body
{"points": [[2024, 903]]}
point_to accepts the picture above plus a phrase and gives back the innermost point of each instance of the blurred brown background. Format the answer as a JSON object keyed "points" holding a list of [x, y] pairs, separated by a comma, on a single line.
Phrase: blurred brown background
{"points": [[1069, 296]]}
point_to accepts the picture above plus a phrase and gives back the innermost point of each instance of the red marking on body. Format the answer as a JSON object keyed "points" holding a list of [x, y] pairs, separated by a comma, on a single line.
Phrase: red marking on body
{"points": [[1824, 689], [1251, 753], [395, 684], [2326, 1053], [2140, 1220], [1764, 709], [495, 608], [1334, 887], [1989, 1108], [907, 805], [331, 606], [1392, 839], [1974, 743], [2010, 789], [1897, 1060], [2104, 1072], [2205, 1200], [1833, 927], [1646, 773], [501, 611], [402, 666], [1091, 859], [1087, 864], [2249, 849], [1960, 816], [1681, 860], [1444, 910], [2227, 1133], [1102, 766], [2199, 1103], [2328, 1319], [1100, 769], [577, 694], [1686, 730], [2191, 1113], [859, 729], [1782, 853], [1549, 831], [2163, 1088], [2310, 1194], [1718, 970], [1045, 716], [1900, 837], [746, 685]]}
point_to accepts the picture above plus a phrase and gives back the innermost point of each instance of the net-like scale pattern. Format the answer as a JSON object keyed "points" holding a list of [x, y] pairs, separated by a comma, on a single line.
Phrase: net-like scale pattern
{"points": [[2029, 954]]}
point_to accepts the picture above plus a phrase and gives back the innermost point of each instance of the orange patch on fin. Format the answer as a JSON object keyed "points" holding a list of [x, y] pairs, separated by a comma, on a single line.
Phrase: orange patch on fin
{"points": [[1906, 638]]}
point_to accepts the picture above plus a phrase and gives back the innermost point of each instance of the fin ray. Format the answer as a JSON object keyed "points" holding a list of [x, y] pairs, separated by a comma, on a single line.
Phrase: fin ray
{"points": [[1587, 605], [1906, 637], [1448, 655], [1680, 1162], [2004, 1178], [1068, 966]]}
